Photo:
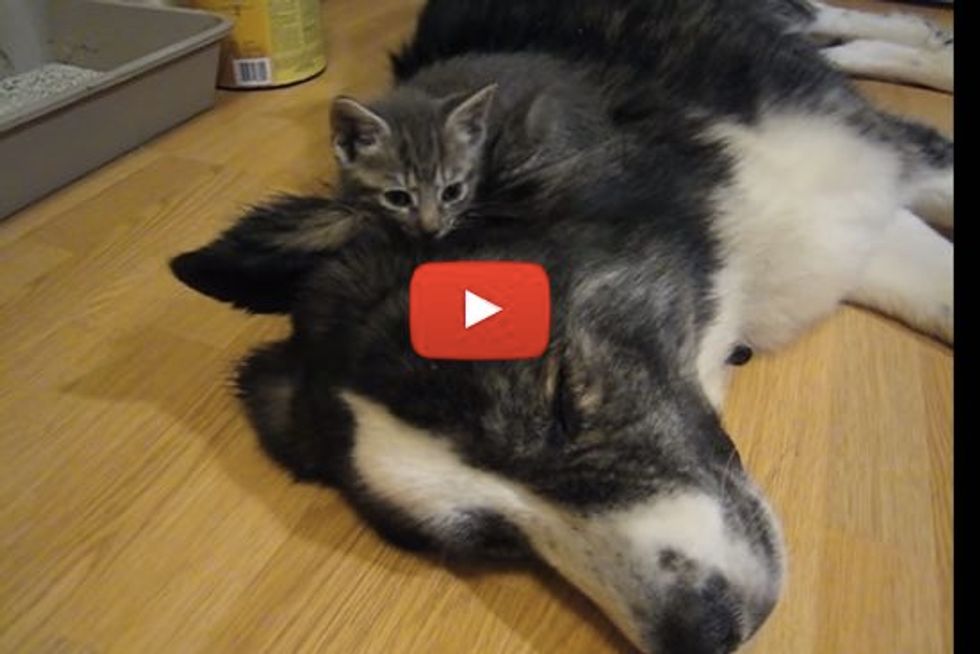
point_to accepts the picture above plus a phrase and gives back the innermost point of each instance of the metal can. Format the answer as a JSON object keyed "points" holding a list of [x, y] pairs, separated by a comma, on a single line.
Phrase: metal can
{"points": [[274, 42]]}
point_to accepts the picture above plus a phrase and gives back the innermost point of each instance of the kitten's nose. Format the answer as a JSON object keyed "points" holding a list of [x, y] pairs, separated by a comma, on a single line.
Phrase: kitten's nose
{"points": [[429, 221], [429, 214]]}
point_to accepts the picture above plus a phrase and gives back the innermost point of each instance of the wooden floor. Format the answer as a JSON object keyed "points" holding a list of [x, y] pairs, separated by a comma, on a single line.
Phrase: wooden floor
{"points": [[138, 515]]}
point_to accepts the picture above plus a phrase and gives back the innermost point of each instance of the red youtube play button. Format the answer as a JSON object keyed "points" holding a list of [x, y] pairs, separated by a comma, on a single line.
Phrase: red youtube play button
{"points": [[479, 310]]}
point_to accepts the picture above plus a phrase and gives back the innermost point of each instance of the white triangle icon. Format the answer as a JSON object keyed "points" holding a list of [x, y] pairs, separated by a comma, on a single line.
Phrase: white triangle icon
{"points": [[477, 309]]}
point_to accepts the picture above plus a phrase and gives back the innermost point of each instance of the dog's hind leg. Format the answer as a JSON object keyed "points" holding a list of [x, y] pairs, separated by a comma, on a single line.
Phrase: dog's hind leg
{"points": [[910, 277], [931, 197], [894, 62], [926, 185], [928, 156]]}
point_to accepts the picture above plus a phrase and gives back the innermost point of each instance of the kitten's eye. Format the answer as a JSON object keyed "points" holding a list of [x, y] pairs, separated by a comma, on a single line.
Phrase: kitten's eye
{"points": [[397, 198], [365, 140], [453, 192]]}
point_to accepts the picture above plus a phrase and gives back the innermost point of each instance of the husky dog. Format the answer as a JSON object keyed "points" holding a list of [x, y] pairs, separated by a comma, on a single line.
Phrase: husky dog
{"points": [[751, 190]]}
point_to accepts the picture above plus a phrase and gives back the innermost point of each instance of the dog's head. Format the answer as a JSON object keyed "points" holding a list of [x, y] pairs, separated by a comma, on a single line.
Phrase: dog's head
{"points": [[603, 457]]}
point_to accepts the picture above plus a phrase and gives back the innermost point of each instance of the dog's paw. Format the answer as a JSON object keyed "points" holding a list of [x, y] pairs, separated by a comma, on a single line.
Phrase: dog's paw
{"points": [[939, 38]]}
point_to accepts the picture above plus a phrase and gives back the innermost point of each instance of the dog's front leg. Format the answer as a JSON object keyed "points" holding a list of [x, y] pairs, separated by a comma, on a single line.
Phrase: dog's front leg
{"points": [[894, 62], [899, 28]]}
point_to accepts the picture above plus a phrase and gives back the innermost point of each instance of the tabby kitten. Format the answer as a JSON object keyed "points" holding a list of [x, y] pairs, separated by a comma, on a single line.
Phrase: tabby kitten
{"points": [[422, 153], [421, 165]]}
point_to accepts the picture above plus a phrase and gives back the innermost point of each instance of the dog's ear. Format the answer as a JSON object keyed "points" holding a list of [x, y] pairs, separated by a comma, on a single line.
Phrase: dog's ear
{"points": [[261, 262]]}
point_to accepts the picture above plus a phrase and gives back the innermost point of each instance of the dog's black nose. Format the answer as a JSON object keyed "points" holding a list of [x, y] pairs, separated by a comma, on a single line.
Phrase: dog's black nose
{"points": [[701, 621], [740, 355]]}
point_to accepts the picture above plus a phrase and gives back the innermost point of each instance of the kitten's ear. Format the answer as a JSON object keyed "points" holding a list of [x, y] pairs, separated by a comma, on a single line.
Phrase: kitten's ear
{"points": [[356, 129], [467, 121]]}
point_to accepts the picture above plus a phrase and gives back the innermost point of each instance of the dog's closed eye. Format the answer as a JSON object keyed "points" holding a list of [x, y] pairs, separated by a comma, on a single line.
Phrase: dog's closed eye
{"points": [[565, 420]]}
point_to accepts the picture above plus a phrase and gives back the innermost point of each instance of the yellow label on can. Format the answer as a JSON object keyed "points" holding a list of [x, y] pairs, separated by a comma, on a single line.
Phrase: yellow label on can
{"points": [[274, 42]]}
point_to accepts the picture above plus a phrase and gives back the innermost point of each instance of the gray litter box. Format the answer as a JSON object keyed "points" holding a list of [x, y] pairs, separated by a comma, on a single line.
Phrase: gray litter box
{"points": [[82, 81]]}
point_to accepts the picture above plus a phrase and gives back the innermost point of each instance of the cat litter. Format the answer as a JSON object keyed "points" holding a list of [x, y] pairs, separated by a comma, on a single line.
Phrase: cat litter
{"points": [[49, 80]]}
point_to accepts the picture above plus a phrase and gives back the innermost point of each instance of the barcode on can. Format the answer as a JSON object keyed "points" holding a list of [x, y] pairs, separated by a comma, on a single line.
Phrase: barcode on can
{"points": [[253, 72]]}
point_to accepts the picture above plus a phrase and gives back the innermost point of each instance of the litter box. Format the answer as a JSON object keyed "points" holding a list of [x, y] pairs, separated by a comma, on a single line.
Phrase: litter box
{"points": [[82, 81]]}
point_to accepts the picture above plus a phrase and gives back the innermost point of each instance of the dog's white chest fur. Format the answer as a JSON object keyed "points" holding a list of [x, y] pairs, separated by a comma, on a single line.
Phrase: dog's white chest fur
{"points": [[808, 201]]}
